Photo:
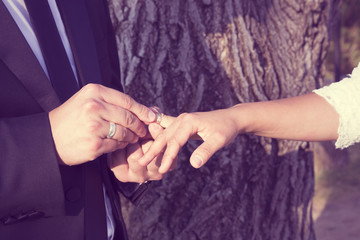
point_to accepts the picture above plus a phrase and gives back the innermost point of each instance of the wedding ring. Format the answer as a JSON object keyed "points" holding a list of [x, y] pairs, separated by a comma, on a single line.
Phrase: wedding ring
{"points": [[159, 114], [112, 130]]}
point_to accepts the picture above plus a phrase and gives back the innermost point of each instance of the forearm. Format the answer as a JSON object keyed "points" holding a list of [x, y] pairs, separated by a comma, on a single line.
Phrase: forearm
{"points": [[308, 118]]}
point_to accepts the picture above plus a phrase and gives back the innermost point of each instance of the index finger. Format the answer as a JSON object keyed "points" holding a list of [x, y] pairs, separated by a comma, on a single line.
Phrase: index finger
{"points": [[166, 120], [125, 101]]}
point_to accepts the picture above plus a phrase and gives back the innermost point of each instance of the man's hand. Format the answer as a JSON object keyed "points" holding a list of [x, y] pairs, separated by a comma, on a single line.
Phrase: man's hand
{"points": [[125, 166], [80, 126]]}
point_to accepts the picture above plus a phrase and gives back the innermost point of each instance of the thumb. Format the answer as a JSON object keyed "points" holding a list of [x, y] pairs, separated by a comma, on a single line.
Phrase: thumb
{"points": [[204, 152]]}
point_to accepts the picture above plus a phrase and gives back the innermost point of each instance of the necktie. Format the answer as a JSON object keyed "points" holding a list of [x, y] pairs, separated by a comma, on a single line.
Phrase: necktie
{"points": [[57, 63], [65, 85]]}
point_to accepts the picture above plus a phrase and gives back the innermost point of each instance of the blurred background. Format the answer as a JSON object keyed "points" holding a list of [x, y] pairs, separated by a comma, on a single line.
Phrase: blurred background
{"points": [[337, 173], [345, 39]]}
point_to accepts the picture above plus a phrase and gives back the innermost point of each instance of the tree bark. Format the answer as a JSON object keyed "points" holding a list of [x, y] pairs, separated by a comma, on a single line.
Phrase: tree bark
{"points": [[192, 55]]}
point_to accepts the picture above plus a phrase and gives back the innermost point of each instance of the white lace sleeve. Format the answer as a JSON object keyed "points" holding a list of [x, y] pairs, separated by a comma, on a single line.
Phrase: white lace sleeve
{"points": [[344, 96]]}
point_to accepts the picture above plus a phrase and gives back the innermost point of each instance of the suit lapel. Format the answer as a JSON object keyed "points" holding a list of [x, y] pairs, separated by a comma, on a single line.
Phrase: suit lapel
{"points": [[19, 58], [78, 29]]}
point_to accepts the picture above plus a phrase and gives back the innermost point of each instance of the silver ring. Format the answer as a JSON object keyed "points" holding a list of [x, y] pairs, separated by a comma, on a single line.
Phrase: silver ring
{"points": [[158, 113], [112, 130], [159, 116]]}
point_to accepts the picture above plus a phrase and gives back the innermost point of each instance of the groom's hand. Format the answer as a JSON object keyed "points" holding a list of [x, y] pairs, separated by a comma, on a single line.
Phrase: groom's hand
{"points": [[81, 125], [124, 163]]}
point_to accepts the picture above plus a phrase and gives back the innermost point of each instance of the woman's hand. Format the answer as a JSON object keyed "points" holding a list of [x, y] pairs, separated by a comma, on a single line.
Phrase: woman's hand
{"points": [[124, 163], [216, 128]]}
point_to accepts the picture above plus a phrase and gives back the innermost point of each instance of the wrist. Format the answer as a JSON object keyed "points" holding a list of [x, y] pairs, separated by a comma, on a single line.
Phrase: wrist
{"points": [[243, 118], [53, 123]]}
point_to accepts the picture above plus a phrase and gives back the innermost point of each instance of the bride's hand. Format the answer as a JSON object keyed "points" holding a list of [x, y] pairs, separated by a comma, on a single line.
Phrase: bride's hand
{"points": [[216, 128]]}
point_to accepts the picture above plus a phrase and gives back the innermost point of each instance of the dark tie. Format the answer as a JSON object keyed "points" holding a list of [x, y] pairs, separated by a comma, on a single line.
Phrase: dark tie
{"points": [[56, 60], [65, 85]]}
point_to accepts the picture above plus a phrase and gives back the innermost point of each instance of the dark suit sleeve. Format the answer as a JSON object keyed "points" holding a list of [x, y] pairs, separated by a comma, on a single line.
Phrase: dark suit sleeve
{"points": [[30, 180]]}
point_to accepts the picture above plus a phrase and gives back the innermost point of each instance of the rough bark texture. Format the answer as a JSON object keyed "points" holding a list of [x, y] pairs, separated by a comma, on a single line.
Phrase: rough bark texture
{"points": [[193, 55]]}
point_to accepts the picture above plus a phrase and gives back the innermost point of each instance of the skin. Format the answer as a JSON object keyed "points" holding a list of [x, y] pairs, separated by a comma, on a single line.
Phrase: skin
{"points": [[125, 165], [306, 118], [80, 127]]}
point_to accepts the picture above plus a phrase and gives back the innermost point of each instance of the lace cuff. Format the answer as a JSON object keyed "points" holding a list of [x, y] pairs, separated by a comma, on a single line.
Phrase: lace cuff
{"points": [[344, 96]]}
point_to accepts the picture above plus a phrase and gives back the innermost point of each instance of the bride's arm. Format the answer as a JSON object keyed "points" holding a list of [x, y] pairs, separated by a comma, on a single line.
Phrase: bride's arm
{"points": [[308, 117]]}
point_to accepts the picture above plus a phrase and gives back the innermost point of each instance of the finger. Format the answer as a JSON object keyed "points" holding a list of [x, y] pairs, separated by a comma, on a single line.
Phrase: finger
{"points": [[203, 153], [123, 117], [180, 137], [124, 101], [172, 149], [118, 165], [121, 134], [166, 121], [134, 153], [111, 145], [153, 167], [156, 147], [177, 134], [155, 130]]}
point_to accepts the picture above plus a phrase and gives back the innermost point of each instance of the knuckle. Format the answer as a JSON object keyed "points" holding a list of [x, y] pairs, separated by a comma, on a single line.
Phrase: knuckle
{"points": [[130, 119], [134, 156], [220, 137], [91, 89], [122, 145], [128, 102], [95, 146], [91, 106], [173, 142], [161, 137], [93, 127], [143, 111], [204, 151], [122, 132], [187, 117]]}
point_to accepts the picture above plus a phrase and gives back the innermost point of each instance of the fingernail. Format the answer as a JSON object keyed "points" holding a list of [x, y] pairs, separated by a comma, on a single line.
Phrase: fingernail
{"points": [[197, 161], [152, 116]]}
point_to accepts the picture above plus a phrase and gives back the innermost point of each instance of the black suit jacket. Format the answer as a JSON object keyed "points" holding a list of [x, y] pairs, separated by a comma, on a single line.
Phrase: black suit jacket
{"points": [[39, 199]]}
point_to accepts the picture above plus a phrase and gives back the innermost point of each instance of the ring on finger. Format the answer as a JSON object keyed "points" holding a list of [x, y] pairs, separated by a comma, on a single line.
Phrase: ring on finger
{"points": [[159, 114], [112, 130]]}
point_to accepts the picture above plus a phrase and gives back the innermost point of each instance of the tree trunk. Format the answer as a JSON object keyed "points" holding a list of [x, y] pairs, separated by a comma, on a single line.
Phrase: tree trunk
{"points": [[192, 55]]}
